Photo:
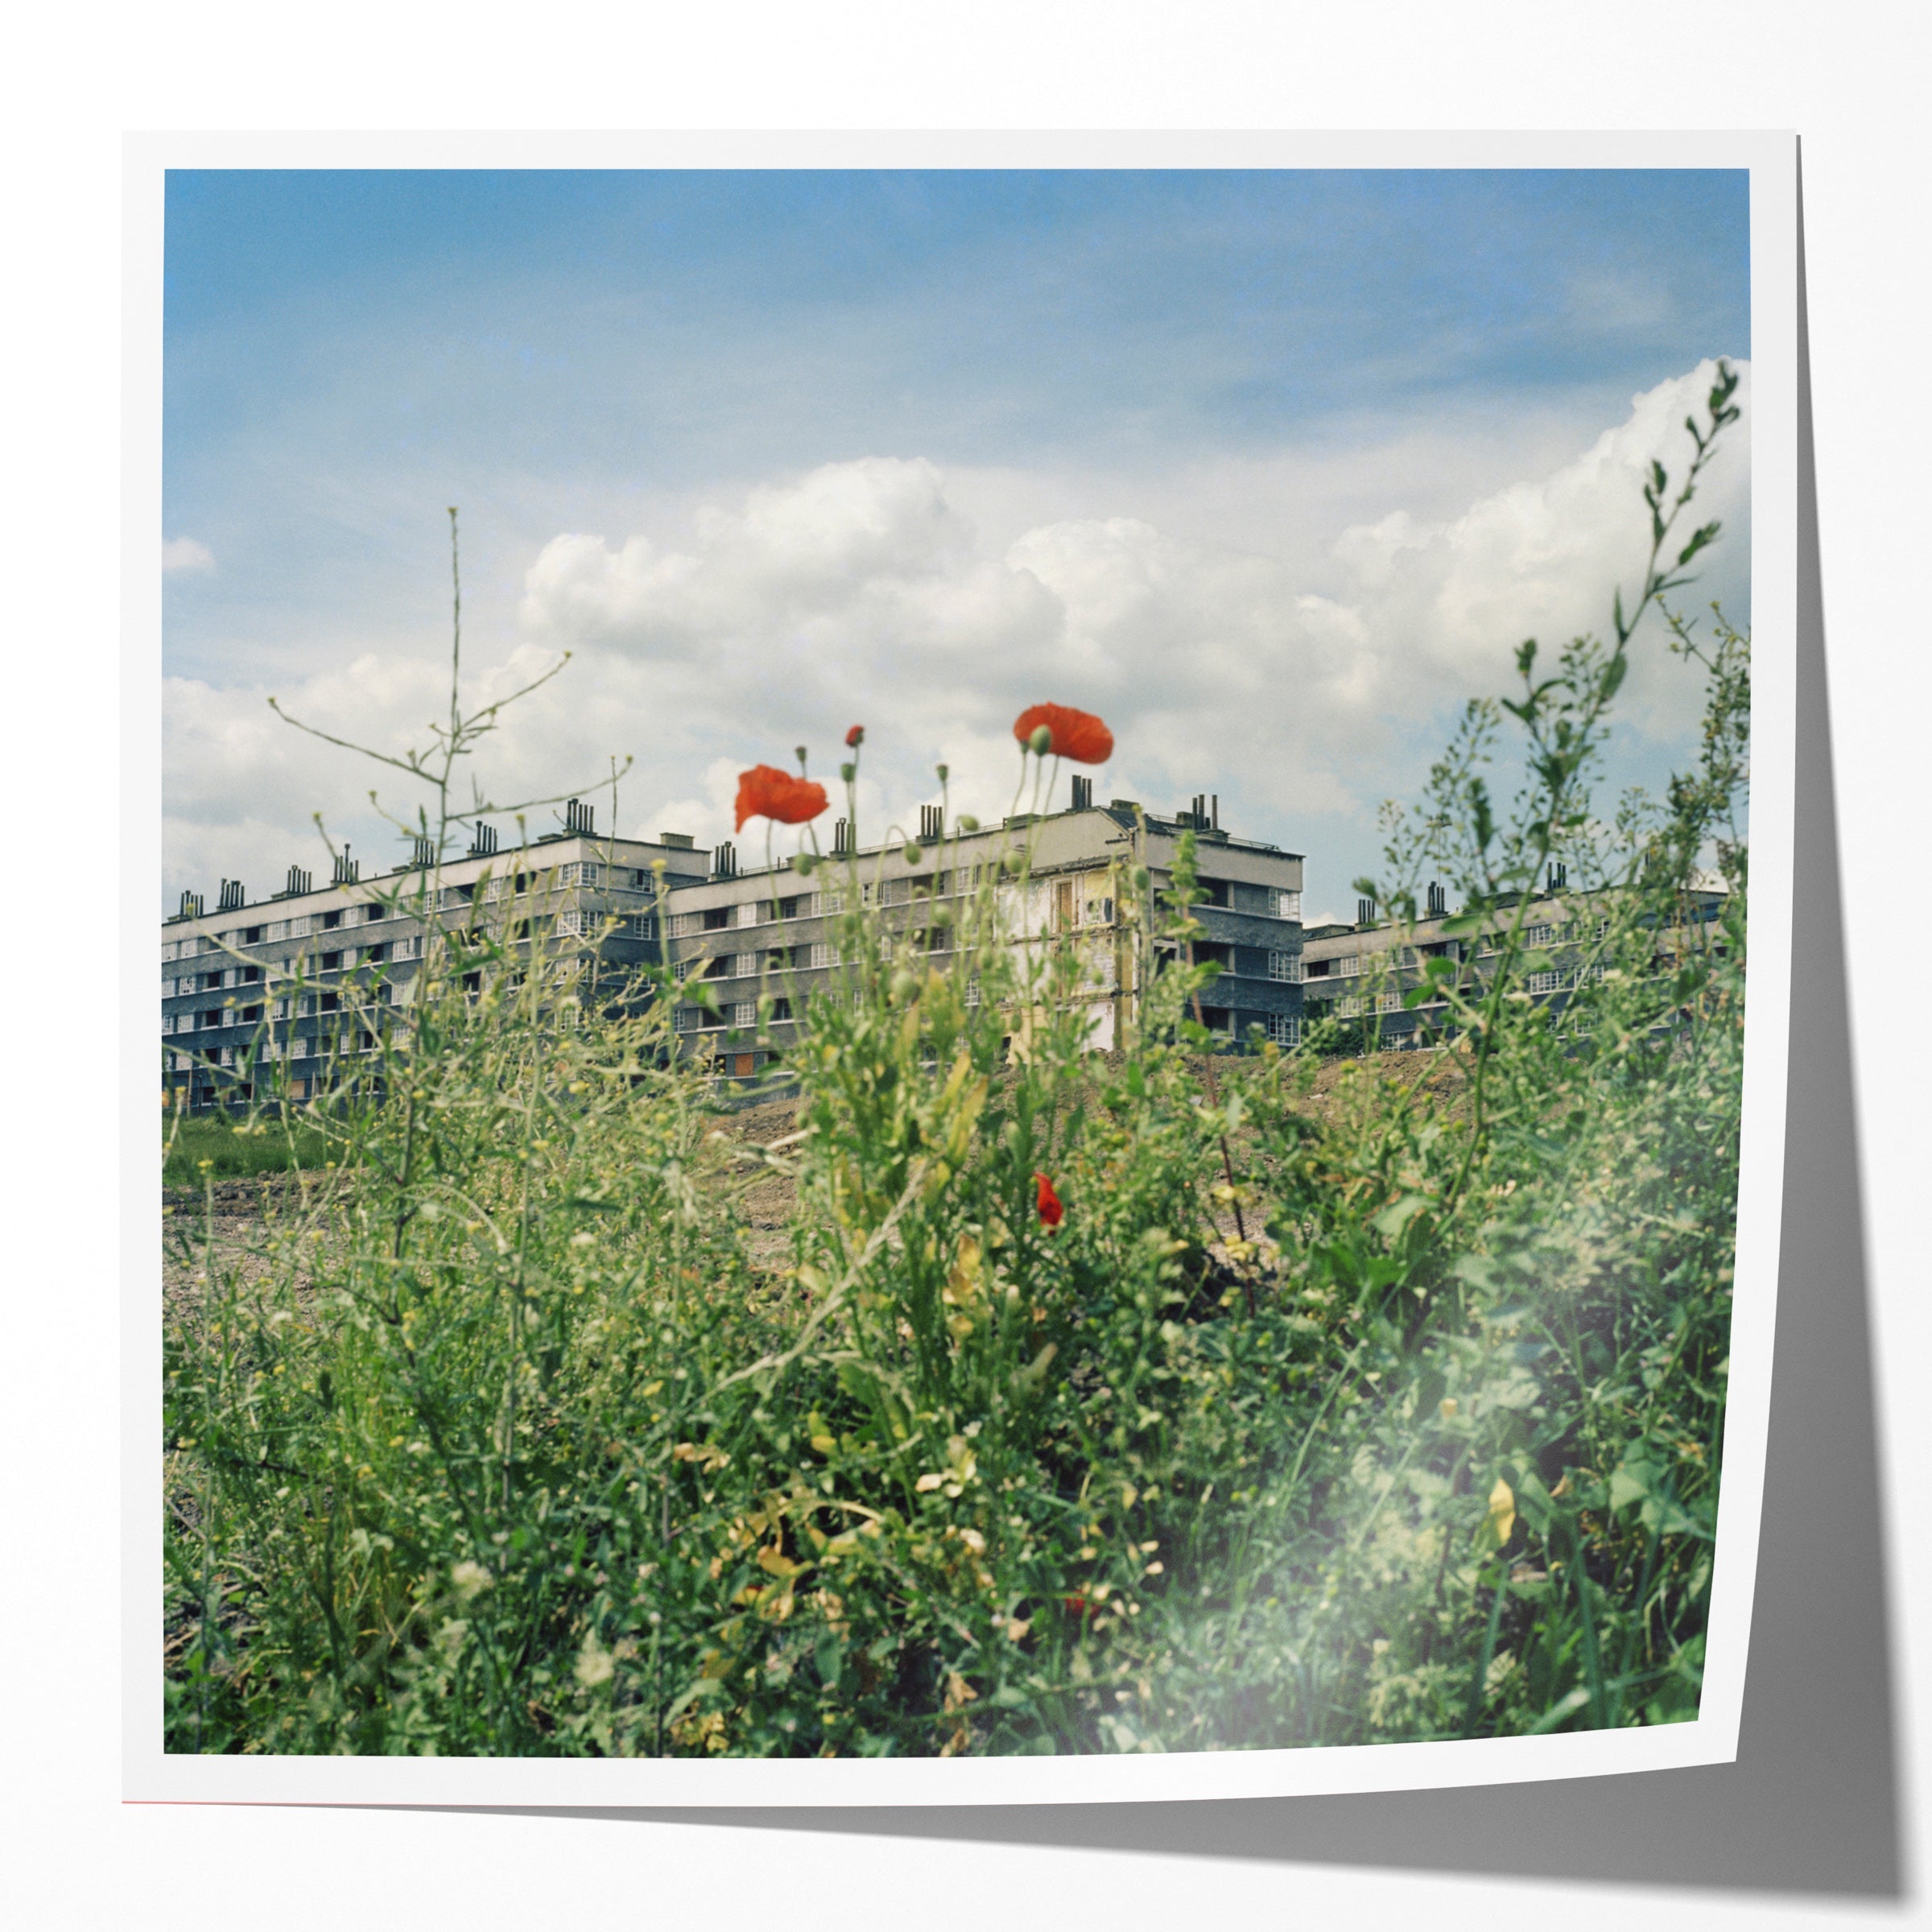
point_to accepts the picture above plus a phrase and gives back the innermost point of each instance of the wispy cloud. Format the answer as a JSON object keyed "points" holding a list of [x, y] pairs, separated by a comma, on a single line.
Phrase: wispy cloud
{"points": [[185, 556]]}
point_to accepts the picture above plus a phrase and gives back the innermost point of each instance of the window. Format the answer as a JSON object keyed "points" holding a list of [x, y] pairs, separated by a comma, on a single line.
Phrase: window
{"points": [[972, 991], [1285, 966], [717, 918], [686, 1019], [747, 913], [300, 929], [495, 889], [1387, 1002], [1287, 905], [1285, 1028], [824, 955], [1349, 1008], [1539, 936], [298, 1049], [373, 955], [170, 949], [644, 925], [578, 873], [684, 924], [744, 1013], [1349, 966], [1545, 982], [577, 922], [331, 962], [278, 929]]}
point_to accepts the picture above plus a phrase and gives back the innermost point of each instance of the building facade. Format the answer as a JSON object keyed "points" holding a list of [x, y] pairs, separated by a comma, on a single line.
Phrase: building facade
{"points": [[296, 988], [307, 978], [778, 932], [1358, 975]]}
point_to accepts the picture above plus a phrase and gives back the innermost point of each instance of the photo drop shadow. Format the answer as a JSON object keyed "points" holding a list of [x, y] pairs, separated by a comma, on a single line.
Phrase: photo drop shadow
{"points": [[1811, 1805]]}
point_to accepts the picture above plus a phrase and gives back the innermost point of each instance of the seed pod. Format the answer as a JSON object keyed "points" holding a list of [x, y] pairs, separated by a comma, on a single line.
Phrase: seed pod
{"points": [[1041, 741], [904, 985], [912, 854]]}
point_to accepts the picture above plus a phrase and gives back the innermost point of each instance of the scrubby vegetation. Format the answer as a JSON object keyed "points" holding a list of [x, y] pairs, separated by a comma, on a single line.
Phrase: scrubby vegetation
{"points": [[1097, 1404]]}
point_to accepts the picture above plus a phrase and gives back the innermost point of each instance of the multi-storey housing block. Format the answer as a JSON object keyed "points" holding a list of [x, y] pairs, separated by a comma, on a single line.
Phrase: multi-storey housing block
{"points": [[308, 977], [305, 982], [1359, 974], [776, 932]]}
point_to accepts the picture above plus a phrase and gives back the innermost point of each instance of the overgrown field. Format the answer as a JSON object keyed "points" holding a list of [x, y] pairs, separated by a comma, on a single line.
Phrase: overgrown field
{"points": [[1016, 1400]]}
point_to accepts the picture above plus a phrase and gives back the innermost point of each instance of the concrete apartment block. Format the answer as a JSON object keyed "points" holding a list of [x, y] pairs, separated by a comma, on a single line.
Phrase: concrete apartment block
{"points": [[1359, 974], [308, 979]]}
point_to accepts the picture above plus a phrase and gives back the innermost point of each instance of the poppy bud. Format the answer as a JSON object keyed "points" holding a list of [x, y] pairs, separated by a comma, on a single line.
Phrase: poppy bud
{"points": [[941, 770], [805, 864], [1039, 740], [904, 985], [854, 737], [966, 822], [912, 854], [1142, 878], [1015, 862], [848, 773], [800, 750]]}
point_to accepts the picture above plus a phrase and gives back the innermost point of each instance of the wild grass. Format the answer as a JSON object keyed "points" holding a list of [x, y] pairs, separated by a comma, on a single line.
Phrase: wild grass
{"points": [[1394, 1418], [219, 1147]]}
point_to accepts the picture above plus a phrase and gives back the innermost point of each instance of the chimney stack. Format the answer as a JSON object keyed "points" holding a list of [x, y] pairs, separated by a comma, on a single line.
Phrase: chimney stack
{"points": [[1082, 792]]}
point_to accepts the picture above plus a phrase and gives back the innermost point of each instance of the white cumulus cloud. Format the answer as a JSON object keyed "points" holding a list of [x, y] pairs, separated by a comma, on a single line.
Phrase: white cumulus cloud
{"points": [[1303, 678], [186, 556]]}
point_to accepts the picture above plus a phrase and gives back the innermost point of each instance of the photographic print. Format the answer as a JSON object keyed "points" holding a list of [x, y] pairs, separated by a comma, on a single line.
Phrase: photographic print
{"points": [[954, 952]]}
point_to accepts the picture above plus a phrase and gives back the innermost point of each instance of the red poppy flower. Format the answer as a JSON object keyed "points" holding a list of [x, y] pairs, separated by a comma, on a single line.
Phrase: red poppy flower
{"points": [[1080, 1604], [1047, 1203], [764, 792], [1077, 735], [856, 737]]}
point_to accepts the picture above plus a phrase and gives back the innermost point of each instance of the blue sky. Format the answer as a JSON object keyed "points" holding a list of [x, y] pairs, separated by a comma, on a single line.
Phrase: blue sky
{"points": [[925, 447]]}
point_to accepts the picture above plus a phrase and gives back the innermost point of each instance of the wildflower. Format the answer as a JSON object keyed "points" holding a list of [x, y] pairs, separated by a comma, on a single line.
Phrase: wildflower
{"points": [[1047, 1204], [854, 737], [764, 792], [470, 1579], [1077, 735]]}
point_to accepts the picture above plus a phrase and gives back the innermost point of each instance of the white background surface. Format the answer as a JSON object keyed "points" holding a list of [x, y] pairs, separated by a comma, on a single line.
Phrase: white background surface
{"points": [[1851, 81]]}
